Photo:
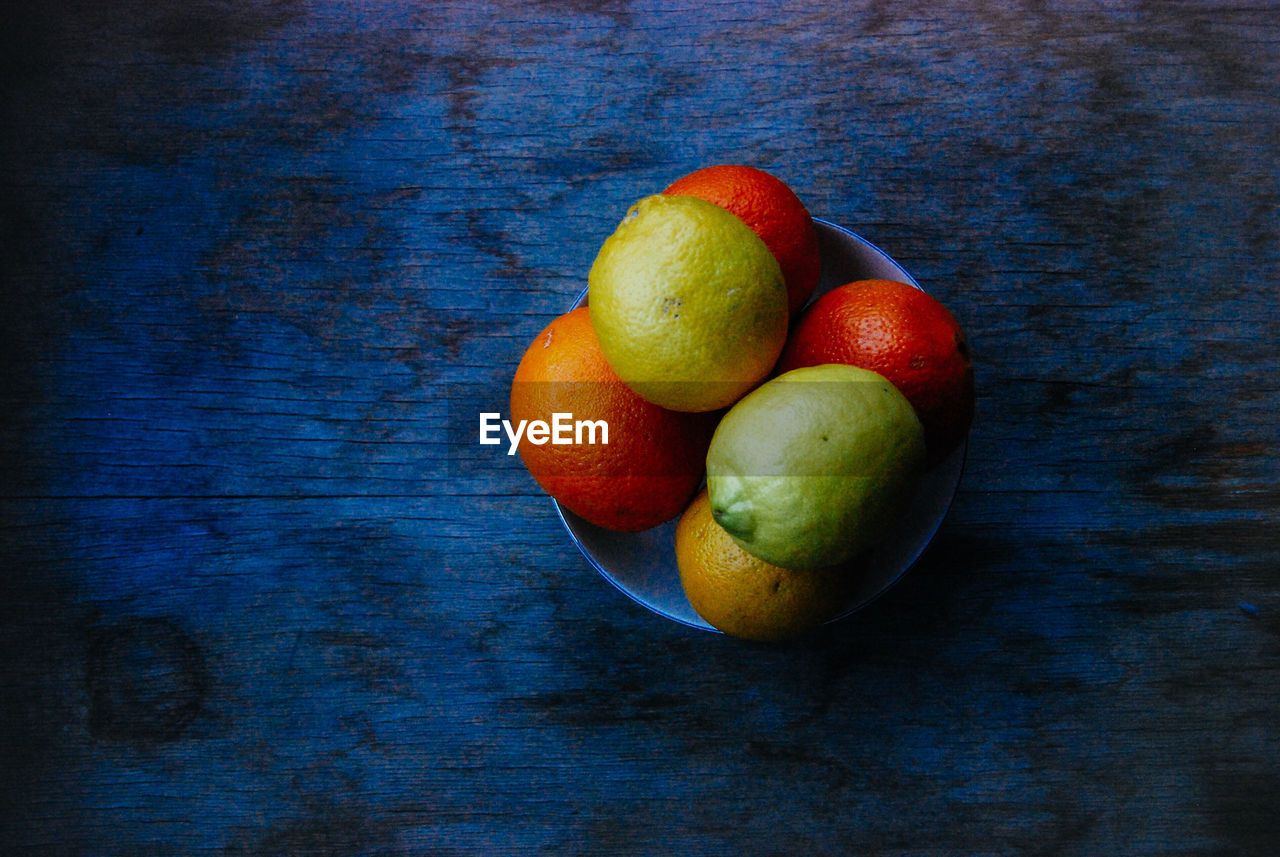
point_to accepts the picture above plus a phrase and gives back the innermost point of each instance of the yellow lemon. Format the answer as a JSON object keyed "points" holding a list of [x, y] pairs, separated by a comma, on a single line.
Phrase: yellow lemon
{"points": [[814, 466], [688, 303]]}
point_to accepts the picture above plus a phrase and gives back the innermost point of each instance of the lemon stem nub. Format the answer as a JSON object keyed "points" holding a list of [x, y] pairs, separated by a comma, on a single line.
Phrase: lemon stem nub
{"points": [[736, 518]]}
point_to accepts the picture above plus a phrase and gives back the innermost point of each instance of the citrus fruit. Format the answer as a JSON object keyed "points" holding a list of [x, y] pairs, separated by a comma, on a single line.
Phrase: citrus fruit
{"points": [[689, 303], [653, 460], [814, 466], [744, 596], [905, 335], [772, 210]]}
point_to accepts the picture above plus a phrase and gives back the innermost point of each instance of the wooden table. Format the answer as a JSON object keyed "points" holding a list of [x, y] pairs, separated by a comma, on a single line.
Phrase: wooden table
{"points": [[263, 593]]}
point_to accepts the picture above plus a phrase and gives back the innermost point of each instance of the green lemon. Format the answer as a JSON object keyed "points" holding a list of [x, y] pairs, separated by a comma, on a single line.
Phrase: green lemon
{"points": [[813, 467], [688, 303]]}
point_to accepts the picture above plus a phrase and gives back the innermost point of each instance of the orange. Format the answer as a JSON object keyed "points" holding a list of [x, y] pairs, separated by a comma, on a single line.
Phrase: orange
{"points": [[654, 459], [747, 597], [905, 335], [772, 210]]}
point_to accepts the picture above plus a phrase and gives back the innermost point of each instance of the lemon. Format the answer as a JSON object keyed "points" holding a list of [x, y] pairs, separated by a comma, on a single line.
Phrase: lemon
{"points": [[814, 466], [744, 596], [688, 303]]}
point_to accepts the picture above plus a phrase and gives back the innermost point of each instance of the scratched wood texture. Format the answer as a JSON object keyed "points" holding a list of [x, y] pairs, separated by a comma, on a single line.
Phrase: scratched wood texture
{"points": [[261, 592]]}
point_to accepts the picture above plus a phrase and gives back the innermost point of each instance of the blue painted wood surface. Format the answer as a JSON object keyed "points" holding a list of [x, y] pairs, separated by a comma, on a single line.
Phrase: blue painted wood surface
{"points": [[262, 593]]}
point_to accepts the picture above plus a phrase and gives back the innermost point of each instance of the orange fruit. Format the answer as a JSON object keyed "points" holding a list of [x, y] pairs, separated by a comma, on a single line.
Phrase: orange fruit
{"points": [[654, 459], [747, 597], [905, 335], [772, 210]]}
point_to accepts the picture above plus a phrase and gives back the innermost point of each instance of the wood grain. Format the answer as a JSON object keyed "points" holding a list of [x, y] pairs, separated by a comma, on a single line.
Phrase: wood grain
{"points": [[264, 263]]}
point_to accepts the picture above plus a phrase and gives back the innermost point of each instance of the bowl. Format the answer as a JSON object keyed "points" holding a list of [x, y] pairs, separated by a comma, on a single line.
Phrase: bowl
{"points": [[643, 565]]}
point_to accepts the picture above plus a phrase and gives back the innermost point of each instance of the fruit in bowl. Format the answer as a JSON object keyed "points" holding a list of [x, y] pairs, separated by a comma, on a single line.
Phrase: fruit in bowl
{"points": [[689, 304], [741, 594], [647, 471], [826, 479], [774, 213], [905, 335], [814, 466]]}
